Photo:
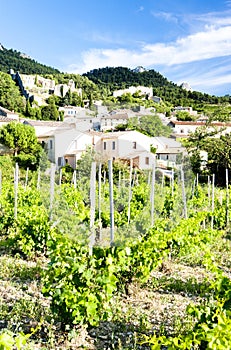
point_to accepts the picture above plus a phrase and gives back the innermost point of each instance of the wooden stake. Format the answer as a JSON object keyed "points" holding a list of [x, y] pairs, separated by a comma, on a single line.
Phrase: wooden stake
{"points": [[111, 202], [99, 200], [183, 193], [152, 197], [92, 207], [130, 191], [16, 175], [52, 188], [213, 192]]}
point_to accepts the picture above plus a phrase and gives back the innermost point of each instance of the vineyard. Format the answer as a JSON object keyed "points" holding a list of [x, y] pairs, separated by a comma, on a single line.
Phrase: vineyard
{"points": [[110, 257]]}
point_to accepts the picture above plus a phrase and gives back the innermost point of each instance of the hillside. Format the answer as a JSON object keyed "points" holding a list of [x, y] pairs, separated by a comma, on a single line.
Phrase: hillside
{"points": [[122, 77], [100, 83], [12, 59]]}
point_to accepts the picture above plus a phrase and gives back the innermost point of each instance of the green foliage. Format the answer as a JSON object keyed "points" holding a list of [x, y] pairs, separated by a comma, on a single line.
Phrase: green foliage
{"points": [[9, 340], [149, 125], [12, 59], [29, 231], [21, 139], [50, 112], [114, 78], [217, 148], [82, 286], [185, 116], [10, 96], [79, 284]]}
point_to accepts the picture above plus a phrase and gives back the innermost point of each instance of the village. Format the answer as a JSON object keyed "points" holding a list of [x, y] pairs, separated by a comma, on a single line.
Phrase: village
{"points": [[81, 127]]}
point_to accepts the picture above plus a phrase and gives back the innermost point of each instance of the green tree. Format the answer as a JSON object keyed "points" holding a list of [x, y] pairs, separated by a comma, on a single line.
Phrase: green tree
{"points": [[219, 157], [10, 96], [49, 112], [184, 116], [150, 125], [21, 139]]}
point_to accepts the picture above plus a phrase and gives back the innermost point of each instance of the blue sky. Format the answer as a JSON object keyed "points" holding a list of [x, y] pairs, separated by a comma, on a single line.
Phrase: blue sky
{"points": [[185, 40]]}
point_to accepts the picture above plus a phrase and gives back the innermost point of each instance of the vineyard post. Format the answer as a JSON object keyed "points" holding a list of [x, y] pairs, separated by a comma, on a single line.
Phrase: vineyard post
{"points": [[209, 191], [124, 179], [227, 197], [27, 174], [152, 197], [172, 181], [74, 178], [111, 202], [193, 187], [183, 193], [99, 199], [92, 207], [130, 191], [38, 179], [149, 177], [16, 175], [52, 188], [213, 190]]}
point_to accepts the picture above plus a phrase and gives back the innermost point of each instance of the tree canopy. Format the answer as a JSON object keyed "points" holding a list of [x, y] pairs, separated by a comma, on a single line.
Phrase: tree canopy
{"points": [[21, 139], [12, 59], [150, 125], [10, 96]]}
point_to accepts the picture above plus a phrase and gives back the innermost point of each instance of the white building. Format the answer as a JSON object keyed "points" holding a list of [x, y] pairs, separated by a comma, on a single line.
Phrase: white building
{"points": [[185, 128], [147, 91], [127, 145]]}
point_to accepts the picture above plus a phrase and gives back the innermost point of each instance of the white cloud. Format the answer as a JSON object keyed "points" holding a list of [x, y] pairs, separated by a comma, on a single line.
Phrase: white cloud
{"points": [[213, 40], [199, 46]]}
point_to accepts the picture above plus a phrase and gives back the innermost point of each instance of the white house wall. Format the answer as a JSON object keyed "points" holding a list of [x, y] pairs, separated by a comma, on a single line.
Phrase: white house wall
{"points": [[126, 143], [65, 139]]}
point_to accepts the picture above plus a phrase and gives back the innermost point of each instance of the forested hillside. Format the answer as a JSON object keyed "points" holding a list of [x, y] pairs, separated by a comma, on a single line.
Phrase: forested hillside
{"points": [[12, 59], [122, 77], [99, 84]]}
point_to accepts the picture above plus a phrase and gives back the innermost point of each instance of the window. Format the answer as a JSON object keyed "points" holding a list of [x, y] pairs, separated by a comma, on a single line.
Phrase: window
{"points": [[147, 160], [134, 145], [51, 144], [113, 145], [105, 145], [60, 161]]}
